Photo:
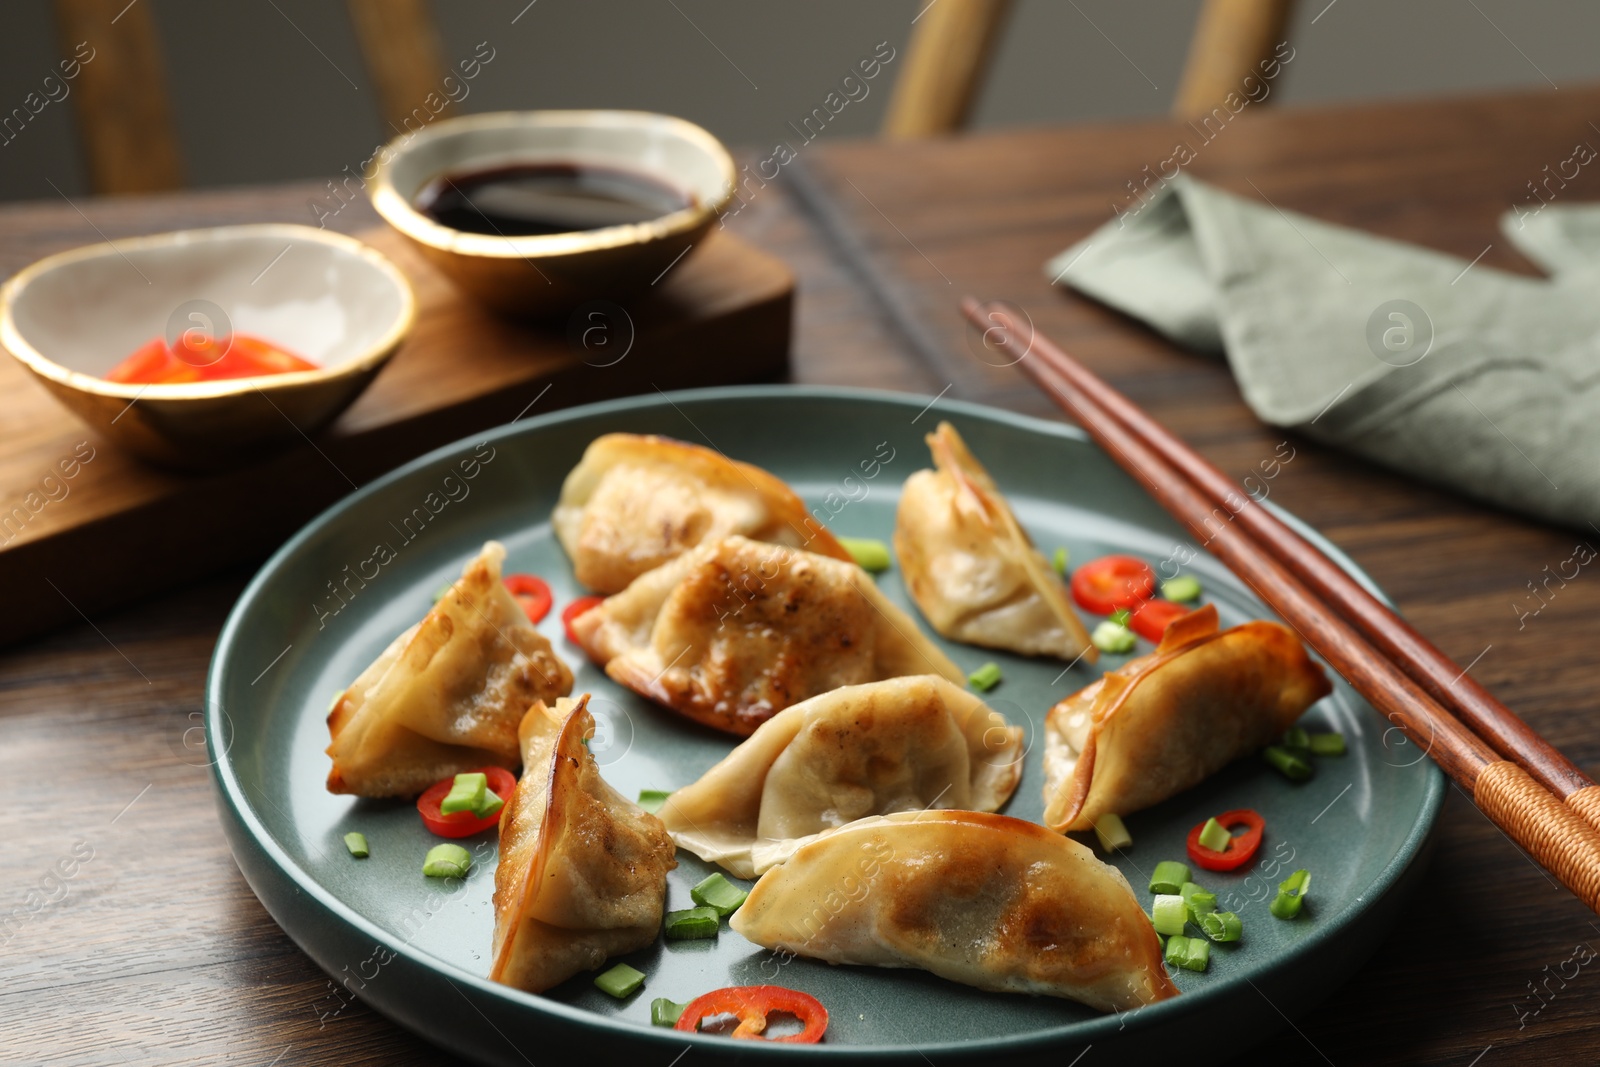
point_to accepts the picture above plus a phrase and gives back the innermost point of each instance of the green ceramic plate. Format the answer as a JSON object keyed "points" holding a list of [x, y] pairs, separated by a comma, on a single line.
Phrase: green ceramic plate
{"points": [[417, 949]]}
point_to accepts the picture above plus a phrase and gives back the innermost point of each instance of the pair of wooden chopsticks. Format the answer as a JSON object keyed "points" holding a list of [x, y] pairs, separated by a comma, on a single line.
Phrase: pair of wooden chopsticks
{"points": [[1522, 783]]}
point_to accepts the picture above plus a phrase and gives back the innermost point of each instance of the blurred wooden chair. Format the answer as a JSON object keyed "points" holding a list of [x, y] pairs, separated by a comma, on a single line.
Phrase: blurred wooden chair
{"points": [[954, 40], [125, 113]]}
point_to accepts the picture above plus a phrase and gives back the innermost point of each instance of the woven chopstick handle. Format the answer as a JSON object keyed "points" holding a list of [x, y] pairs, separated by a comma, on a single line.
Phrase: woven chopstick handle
{"points": [[1554, 834], [1586, 802]]}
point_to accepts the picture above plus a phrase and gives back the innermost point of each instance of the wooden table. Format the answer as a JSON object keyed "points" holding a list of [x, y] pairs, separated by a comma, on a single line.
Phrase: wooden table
{"points": [[155, 950]]}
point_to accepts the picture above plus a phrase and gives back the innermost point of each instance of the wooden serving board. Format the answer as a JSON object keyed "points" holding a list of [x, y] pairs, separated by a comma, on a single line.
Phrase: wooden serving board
{"points": [[85, 527]]}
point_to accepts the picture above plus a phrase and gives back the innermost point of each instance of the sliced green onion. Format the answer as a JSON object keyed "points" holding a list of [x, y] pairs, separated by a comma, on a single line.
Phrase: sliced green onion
{"points": [[1328, 744], [1221, 926], [1169, 877], [692, 924], [1196, 954], [651, 800], [447, 861], [871, 556], [1113, 637], [664, 1012], [466, 793], [1121, 616], [620, 981], [719, 893], [1059, 562], [491, 804], [1177, 948], [985, 677], [1169, 914], [1215, 836], [1199, 900], [357, 844], [1291, 894], [1182, 589], [1112, 832], [1292, 766], [1297, 741]]}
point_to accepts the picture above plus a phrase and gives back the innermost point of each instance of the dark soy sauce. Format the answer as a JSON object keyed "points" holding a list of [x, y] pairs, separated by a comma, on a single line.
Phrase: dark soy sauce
{"points": [[529, 199]]}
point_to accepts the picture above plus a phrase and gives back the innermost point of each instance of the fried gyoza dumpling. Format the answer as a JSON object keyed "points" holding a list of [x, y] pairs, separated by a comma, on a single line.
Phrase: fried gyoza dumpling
{"points": [[971, 567], [446, 695], [636, 501], [735, 631], [904, 744], [985, 900], [1164, 722], [583, 870]]}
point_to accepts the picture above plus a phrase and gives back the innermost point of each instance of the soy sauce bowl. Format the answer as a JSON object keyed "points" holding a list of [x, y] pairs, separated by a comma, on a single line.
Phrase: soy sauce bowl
{"points": [[546, 275]]}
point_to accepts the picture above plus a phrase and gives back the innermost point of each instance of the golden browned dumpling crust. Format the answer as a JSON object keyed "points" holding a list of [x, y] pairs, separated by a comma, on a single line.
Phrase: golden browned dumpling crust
{"points": [[446, 696], [984, 900], [583, 870], [1165, 722], [636, 501], [737, 630]]}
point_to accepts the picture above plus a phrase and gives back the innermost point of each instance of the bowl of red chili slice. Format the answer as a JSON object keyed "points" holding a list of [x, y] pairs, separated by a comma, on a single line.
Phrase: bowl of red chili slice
{"points": [[200, 349]]}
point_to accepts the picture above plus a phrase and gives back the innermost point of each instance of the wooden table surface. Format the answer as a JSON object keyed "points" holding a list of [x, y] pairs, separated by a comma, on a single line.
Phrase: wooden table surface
{"points": [[155, 951]]}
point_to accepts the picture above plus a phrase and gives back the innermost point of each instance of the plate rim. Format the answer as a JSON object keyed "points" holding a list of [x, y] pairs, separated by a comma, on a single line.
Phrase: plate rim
{"points": [[1412, 848]]}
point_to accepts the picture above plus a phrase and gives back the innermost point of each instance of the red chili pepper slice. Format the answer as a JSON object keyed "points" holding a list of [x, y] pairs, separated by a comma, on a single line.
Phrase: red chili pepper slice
{"points": [[463, 823], [573, 610], [751, 1005], [1240, 851], [531, 592], [1112, 583], [1151, 619]]}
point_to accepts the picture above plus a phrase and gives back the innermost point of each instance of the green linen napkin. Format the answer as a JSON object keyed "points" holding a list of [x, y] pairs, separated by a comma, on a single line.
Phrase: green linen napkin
{"points": [[1469, 377]]}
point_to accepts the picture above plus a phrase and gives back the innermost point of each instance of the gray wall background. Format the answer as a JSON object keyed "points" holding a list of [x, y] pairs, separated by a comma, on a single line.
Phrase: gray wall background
{"points": [[269, 90]]}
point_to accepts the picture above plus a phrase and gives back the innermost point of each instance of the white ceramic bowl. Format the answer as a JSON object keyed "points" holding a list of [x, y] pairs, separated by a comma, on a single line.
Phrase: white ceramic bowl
{"points": [[71, 317], [549, 273]]}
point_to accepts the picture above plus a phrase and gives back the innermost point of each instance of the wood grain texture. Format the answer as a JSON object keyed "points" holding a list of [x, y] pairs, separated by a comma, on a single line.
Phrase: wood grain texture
{"points": [[721, 315], [157, 953], [1231, 39], [400, 48], [124, 114], [945, 65]]}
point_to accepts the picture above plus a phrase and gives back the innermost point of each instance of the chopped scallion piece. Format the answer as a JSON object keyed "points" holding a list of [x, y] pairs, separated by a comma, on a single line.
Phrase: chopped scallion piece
{"points": [[717, 892], [1060, 561], [1177, 948], [664, 1012], [1215, 836], [1113, 637], [1181, 589], [1292, 766], [620, 981], [1121, 616], [985, 677], [447, 861], [491, 804], [357, 844], [1169, 914], [692, 924], [1328, 744], [1291, 894], [1112, 832], [1169, 877], [1196, 954], [871, 556], [1199, 900], [651, 800], [1222, 926], [1297, 741], [466, 793]]}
